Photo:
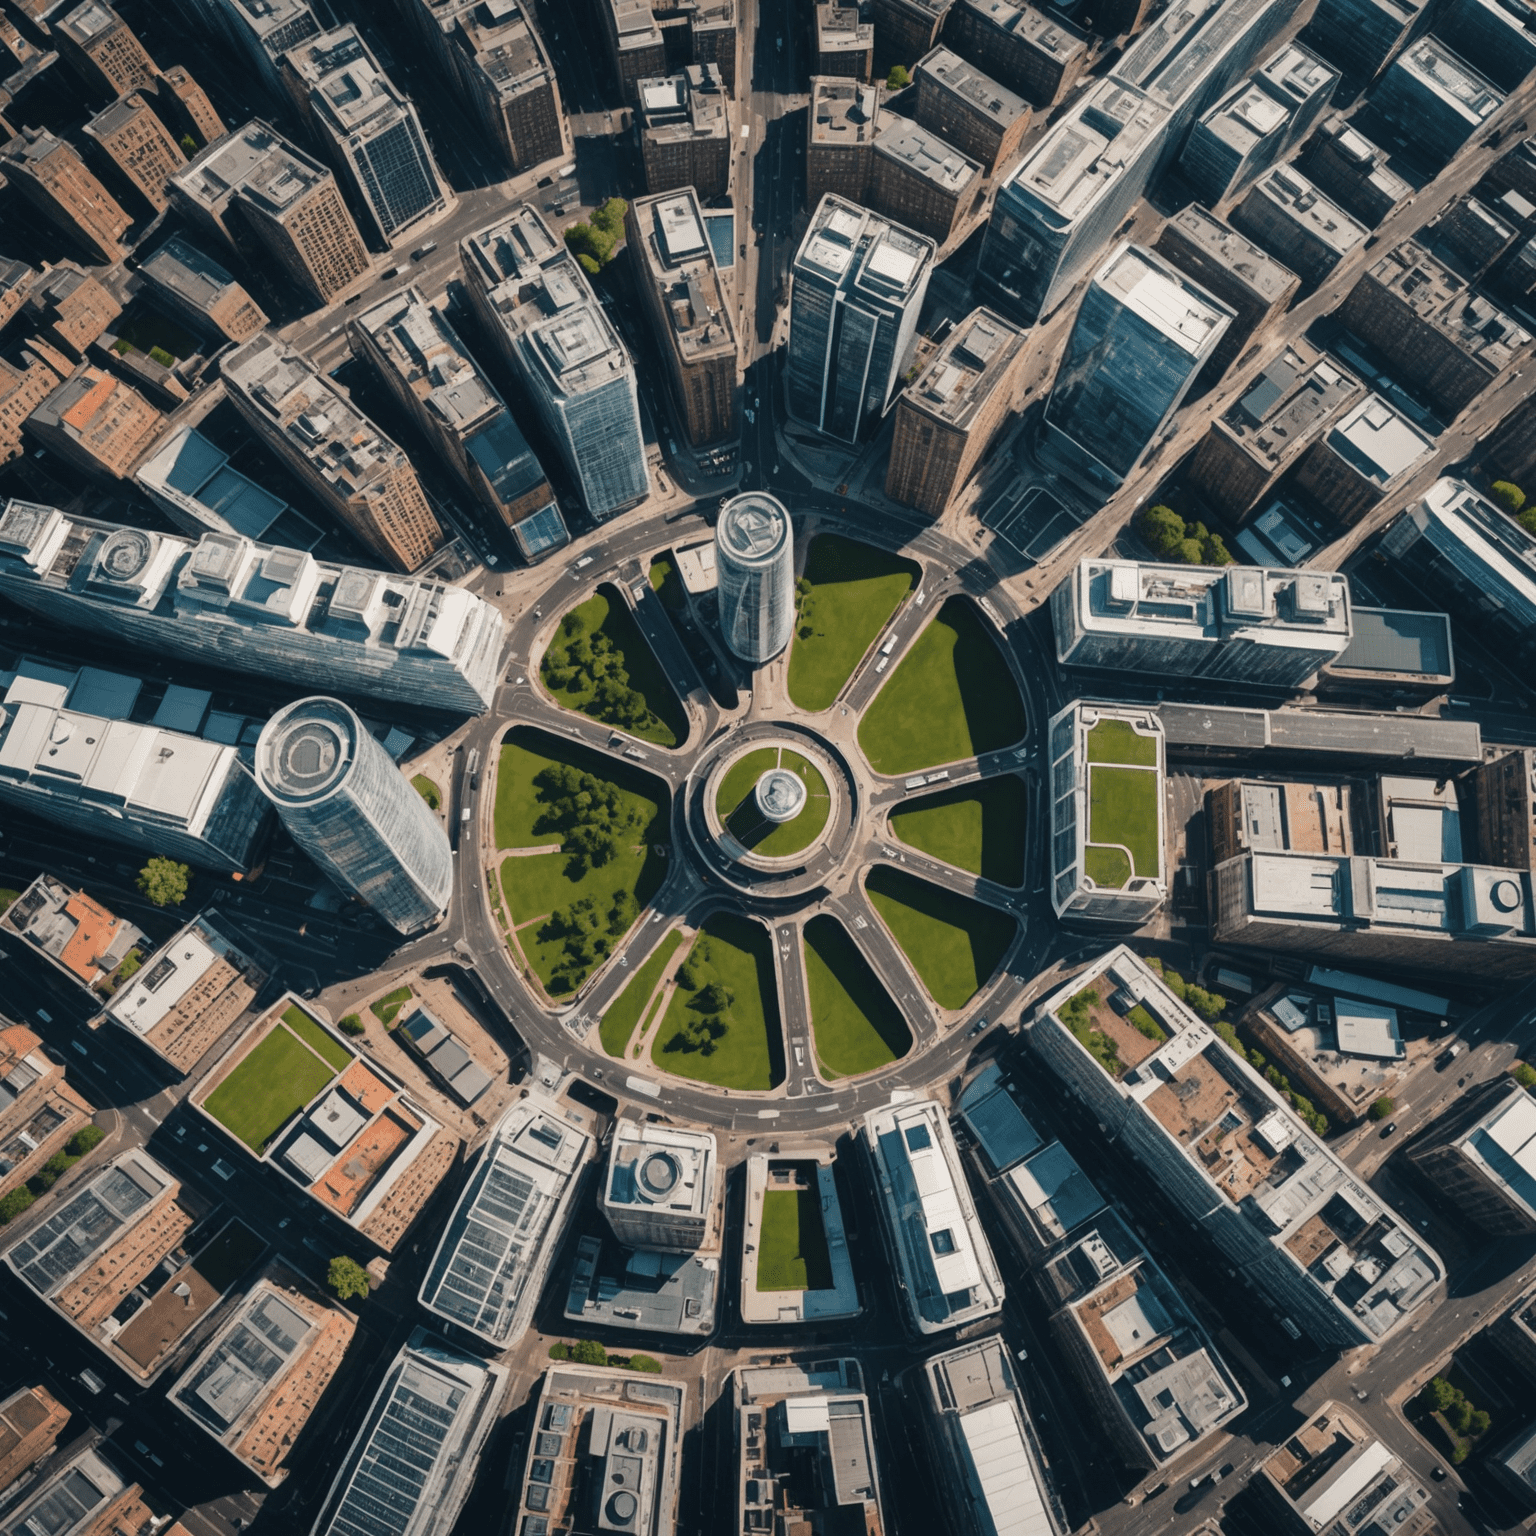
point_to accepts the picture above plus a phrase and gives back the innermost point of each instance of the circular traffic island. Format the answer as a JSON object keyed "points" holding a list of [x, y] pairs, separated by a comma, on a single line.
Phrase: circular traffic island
{"points": [[772, 808]]}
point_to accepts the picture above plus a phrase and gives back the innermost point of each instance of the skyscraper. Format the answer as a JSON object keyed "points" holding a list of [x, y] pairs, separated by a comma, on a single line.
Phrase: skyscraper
{"points": [[421, 360], [139, 145], [858, 283], [755, 560], [253, 185], [360, 474], [354, 813], [538, 307], [103, 48], [1141, 335], [369, 131], [199, 292]]}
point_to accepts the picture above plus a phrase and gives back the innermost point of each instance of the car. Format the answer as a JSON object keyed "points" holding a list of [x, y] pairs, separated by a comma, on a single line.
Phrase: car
{"points": [[1446, 1057], [1437, 1472], [92, 1382], [424, 250], [1388, 1129], [979, 1025]]}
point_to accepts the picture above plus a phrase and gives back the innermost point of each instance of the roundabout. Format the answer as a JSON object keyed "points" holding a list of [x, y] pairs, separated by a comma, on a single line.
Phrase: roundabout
{"points": [[832, 911]]}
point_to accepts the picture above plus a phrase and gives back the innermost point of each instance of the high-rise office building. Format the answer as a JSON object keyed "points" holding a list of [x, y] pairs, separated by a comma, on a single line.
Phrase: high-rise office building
{"points": [[126, 781], [52, 177], [103, 48], [538, 307], [1476, 560], [952, 412], [1430, 327], [685, 132], [858, 283], [347, 805], [1229, 1152], [262, 30], [252, 185], [1060, 207], [1353, 172], [359, 473], [425, 366], [199, 292], [1493, 36], [1435, 97], [432, 1415], [1360, 36], [1481, 1155], [493, 52], [685, 299], [929, 183], [229, 601], [1273, 628], [1142, 333], [138, 144], [1363, 456], [370, 133], [755, 565]]}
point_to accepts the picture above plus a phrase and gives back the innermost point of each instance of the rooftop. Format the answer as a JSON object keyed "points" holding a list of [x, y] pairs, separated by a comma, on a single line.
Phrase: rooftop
{"points": [[1324, 221], [183, 269], [688, 105], [1442, 299], [424, 1033], [962, 375], [839, 29], [661, 1169], [902, 140], [984, 1423], [1246, 117], [1158, 294], [1259, 732], [196, 477], [1287, 405], [848, 246], [680, 261], [843, 111], [254, 162], [807, 1448], [606, 1441], [1296, 74], [1480, 540], [1398, 641], [979, 92], [647, 1289], [1106, 132], [1172, 59], [1240, 259], [948, 1270], [1053, 1194], [73, 929], [1436, 69], [75, 1496], [1243, 1140], [753, 528], [1377, 442], [995, 1121], [496, 1248], [503, 41]]}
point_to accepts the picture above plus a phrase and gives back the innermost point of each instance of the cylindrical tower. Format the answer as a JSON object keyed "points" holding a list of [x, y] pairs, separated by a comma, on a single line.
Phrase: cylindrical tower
{"points": [[755, 565], [354, 813]]}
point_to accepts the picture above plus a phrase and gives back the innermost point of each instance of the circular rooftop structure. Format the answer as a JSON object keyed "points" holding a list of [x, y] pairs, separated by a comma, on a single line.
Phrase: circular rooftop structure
{"points": [[307, 750], [780, 795], [659, 1175], [125, 554], [753, 528]]}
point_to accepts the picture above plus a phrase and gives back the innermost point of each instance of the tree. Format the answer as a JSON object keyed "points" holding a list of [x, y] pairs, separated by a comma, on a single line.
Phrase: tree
{"points": [[347, 1278], [15, 1203], [164, 882], [899, 78], [1525, 1074], [588, 264], [1382, 1108], [1439, 1394], [1508, 495], [84, 1139], [589, 1352], [350, 1024], [715, 998], [1160, 528], [189, 145]]}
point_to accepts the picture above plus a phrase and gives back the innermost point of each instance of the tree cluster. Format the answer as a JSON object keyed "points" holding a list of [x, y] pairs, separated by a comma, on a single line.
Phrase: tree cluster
{"points": [[347, 1278], [590, 1352], [49, 1174], [593, 243], [164, 882], [1451, 1403], [899, 78], [1524, 1074], [594, 820], [1169, 537], [707, 1014], [587, 934], [583, 663]]}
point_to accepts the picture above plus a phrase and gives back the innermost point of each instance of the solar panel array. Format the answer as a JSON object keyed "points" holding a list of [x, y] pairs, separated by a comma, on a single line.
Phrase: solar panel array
{"points": [[479, 1278], [399, 1458], [78, 1229]]}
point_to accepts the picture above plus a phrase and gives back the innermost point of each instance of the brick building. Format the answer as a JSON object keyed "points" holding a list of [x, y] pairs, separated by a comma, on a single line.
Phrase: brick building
{"points": [[1292, 220], [1432, 329], [69, 309], [950, 415], [97, 423], [199, 292], [906, 29], [185, 106], [137, 143], [689, 311], [685, 132], [924, 182], [1241, 274], [1038, 55], [1365, 455], [40, 1114], [842, 120], [970, 110], [1346, 167], [54, 179], [845, 42], [28, 375], [103, 49], [16, 279], [1503, 810]]}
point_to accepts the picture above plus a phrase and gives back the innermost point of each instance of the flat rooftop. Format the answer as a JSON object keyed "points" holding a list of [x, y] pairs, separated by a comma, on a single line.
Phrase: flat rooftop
{"points": [[848, 245], [1286, 407], [680, 261], [1483, 542], [645, 1289], [1043, 31], [1294, 73], [840, 30], [1436, 69], [1054, 1193], [255, 162], [967, 368], [843, 112], [183, 269], [1286, 189], [1242, 262], [1377, 442], [1399, 641], [967, 84], [995, 1121], [1245, 118], [1322, 732], [1159, 295], [928, 155], [1173, 57]]}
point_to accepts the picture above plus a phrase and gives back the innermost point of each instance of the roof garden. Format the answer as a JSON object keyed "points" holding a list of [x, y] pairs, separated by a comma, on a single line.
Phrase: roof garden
{"points": [[1123, 838], [1116, 1031]]}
